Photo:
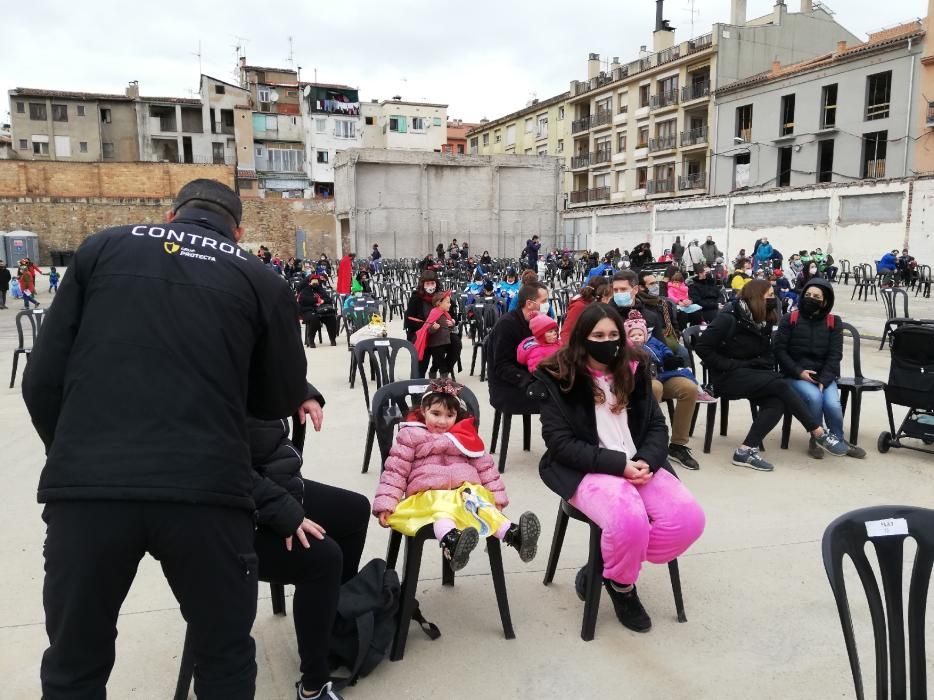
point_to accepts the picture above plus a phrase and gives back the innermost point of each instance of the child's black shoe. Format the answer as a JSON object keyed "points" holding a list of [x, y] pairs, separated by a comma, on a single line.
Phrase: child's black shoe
{"points": [[457, 546], [629, 609], [524, 536]]}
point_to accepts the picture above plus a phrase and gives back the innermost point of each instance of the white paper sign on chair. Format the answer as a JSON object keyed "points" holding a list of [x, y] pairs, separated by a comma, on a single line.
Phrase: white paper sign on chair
{"points": [[887, 527]]}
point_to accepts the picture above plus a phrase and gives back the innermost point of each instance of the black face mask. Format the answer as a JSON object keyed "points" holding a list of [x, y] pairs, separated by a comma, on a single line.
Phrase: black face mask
{"points": [[771, 305], [603, 351], [810, 307]]}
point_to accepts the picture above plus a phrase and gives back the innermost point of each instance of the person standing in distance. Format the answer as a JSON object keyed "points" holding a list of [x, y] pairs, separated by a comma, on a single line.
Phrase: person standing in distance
{"points": [[161, 340]]}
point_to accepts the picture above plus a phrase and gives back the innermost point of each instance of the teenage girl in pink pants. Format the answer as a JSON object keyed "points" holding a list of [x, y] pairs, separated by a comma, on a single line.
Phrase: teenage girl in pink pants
{"points": [[607, 455]]}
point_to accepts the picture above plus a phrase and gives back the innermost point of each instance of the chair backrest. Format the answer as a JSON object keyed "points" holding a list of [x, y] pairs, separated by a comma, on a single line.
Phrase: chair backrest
{"points": [[298, 433], [845, 266], [33, 319], [886, 527], [890, 297], [382, 353], [924, 273], [857, 365], [393, 401], [689, 338]]}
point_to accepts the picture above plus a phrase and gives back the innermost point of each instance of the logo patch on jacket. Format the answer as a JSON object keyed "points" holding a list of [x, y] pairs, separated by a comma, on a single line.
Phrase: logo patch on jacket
{"points": [[171, 248]]}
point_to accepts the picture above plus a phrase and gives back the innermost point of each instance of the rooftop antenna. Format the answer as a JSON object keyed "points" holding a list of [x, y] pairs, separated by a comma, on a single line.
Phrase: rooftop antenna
{"points": [[198, 54], [291, 58], [694, 13], [240, 48]]}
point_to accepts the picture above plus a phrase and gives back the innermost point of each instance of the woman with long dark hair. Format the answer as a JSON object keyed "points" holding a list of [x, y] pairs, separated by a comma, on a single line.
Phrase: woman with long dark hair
{"points": [[737, 350], [608, 456], [420, 305]]}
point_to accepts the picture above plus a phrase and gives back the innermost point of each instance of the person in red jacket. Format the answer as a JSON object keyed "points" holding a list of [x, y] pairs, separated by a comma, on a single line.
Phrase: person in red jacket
{"points": [[598, 288], [345, 273]]}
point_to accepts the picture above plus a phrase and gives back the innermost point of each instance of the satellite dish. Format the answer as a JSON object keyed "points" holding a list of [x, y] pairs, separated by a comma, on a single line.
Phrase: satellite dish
{"points": [[307, 91], [274, 96]]}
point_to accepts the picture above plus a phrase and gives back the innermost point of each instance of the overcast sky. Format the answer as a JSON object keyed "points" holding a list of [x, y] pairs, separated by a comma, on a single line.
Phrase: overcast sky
{"points": [[484, 58]]}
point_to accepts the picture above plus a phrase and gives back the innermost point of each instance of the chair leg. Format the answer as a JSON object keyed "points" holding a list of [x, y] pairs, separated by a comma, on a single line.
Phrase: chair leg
{"points": [[185, 670], [278, 598], [844, 398], [392, 551], [854, 417], [694, 418], [526, 432], [711, 421], [504, 446], [557, 541], [594, 586], [413, 562], [786, 429], [675, 576], [499, 585], [724, 416], [368, 448], [15, 365], [497, 415], [353, 371], [447, 573], [482, 365], [473, 360]]}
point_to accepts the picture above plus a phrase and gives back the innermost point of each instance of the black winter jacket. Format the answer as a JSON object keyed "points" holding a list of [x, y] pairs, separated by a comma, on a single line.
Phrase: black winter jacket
{"points": [[569, 428], [311, 298], [5, 277], [705, 293], [160, 341], [810, 344], [415, 314], [278, 487], [508, 379]]}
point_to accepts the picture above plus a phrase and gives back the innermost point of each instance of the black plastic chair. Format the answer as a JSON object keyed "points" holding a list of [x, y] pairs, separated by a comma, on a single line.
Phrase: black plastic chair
{"points": [[277, 591], [855, 385], [923, 281], [390, 404], [595, 569], [886, 527], [845, 271], [890, 297], [485, 316], [34, 318]]}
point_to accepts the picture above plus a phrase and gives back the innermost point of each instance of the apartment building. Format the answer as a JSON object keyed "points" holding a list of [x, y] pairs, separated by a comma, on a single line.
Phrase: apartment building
{"points": [[457, 137], [229, 113], [642, 130], [332, 123], [842, 116], [924, 97], [401, 124], [278, 130]]}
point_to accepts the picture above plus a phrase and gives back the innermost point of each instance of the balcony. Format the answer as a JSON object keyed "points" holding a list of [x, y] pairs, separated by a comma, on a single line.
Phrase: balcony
{"points": [[875, 168], [581, 124], [580, 161], [601, 118], [602, 155], [579, 197], [701, 43], [696, 91], [668, 98], [662, 143], [662, 186], [694, 181], [669, 55], [594, 194], [694, 137], [745, 135]]}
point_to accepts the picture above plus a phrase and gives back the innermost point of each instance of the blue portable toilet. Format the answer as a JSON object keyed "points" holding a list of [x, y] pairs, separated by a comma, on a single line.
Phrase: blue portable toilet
{"points": [[18, 245]]}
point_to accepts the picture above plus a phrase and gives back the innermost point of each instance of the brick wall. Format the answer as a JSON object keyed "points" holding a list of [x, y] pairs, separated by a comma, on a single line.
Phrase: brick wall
{"points": [[65, 202]]}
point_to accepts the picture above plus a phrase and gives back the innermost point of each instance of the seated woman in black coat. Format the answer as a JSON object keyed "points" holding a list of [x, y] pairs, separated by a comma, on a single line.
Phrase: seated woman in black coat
{"points": [[737, 350], [316, 305], [330, 525], [607, 455], [704, 291]]}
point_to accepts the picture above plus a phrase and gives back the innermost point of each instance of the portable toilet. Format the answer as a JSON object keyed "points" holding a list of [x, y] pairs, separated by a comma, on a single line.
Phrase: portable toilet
{"points": [[20, 244]]}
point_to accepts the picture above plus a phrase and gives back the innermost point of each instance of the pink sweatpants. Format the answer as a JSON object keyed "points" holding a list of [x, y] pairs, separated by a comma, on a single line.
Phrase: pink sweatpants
{"points": [[656, 522]]}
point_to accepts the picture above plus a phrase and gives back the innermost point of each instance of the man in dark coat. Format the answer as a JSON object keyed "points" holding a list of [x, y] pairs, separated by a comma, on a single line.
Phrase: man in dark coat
{"points": [[5, 278], [508, 379], [705, 292]]}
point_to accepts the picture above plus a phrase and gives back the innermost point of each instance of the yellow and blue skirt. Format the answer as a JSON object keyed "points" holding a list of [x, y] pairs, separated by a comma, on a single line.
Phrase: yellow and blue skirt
{"points": [[468, 506]]}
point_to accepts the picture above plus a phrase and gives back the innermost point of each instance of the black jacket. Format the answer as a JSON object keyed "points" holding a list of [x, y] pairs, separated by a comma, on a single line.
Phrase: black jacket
{"points": [[416, 312], [278, 487], [810, 344], [160, 341], [311, 298], [705, 293], [569, 428], [5, 277], [508, 379]]}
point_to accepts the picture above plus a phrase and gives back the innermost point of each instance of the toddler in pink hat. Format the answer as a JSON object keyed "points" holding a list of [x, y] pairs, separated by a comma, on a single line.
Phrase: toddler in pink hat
{"points": [[542, 343]]}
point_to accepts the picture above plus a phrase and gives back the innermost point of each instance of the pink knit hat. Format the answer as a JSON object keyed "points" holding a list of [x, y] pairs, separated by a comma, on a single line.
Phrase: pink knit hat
{"points": [[541, 324], [635, 321]]}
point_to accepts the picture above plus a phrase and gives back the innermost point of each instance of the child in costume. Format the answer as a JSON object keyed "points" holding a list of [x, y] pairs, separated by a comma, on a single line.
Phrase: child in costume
{"points": [[542, 343], [53, 279], [438, 473], [433, 339]]}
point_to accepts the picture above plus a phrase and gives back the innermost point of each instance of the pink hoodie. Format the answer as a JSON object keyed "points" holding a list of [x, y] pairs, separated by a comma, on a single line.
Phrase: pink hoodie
{"points": [[530, 352], [677, 291], [423, 461]]}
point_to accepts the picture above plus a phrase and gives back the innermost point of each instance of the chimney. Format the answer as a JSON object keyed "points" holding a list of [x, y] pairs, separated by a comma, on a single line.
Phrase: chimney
{"points": [[132, 89], [615, 64], [664, 35], [243, 61], [738, 12], [659, 15], [807, 6], [841, 47], [593, 66], [780, 11], [776, 66]]}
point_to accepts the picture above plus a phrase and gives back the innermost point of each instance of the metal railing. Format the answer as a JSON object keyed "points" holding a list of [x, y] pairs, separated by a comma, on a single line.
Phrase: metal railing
{"points": [[579, 196], [662, 143], [668, 55], [695, 91], [745, 134], [660, 186], [693, 137], [580, 161], [694, 181], [597, 193], [581, 124], [600, 118], [664, 99], [875, 168], [602, 155], [701, 43]]}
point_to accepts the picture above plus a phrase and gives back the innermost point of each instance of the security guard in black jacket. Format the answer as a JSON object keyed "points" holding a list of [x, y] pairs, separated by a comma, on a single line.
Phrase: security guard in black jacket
{"points": [[159, 343]]}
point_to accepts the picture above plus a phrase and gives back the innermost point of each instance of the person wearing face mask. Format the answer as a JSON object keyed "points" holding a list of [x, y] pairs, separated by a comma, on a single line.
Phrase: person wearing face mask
{"points": [[316, 306], [607, 455], [704, 291], [420, 304], [741, 275], [508, 288], [663, 314], [809, 272], [736, 349], [809, 349], [597, 289]]}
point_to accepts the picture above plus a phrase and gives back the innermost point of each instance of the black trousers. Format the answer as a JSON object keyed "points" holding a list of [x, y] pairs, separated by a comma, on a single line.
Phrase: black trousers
{"points": [[441, 357], [317, 572], [772, 401], [92, 550], [313, 324]]}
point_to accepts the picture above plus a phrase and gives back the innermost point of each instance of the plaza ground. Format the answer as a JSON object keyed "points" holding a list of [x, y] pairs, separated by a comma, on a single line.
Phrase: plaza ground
{"points": [[761, 619]]}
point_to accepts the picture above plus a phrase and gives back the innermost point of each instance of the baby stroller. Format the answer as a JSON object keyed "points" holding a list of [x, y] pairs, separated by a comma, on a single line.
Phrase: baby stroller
{"points": [[911, 384]]}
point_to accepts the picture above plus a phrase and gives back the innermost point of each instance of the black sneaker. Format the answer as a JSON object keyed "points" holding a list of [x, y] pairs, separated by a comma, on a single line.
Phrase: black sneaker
{"points": [[681, 454], [524, 536], [628, 608], [814, 449], [580, 583], [457, 546], [855, 452], [327, 692]]}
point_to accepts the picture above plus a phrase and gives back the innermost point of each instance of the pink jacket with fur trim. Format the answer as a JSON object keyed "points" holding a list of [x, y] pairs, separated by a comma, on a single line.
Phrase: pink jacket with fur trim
{"points": [[423, 461], [530, 352]]}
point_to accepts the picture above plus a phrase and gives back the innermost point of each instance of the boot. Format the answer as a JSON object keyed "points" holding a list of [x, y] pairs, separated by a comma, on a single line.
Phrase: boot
{"points": [[524, 536], [457, 545], [629, 609]]}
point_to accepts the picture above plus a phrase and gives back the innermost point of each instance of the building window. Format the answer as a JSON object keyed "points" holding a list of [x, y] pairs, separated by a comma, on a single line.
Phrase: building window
{"points": [[605, 106], [788, 115], [460, 149], [644, 92], [220, 90], [397, 124], [560, 113], [643, 141], [436, 121], [59, 113], [828, 107], [291, 93], [528, 151], [543, 151], [24, 144], [542, 128], [21, 108], [37, 111], [529, 125], [511, 135], [668, 91], [642, 177], [497, 136], [784, 166], [62, 147], [321, 125], [263, 94], [744, 123], [40, 148], [621, 142], [344, 129], [875, 145], [419, 123], [284, 160], [80, 110], [486, 139], [83, 146], [105, 115], [369, 121], [107, 150], [878, 95], [322, 156], [217, 153], [825, 161], [741, 168], [474, 144], [560, 145]]}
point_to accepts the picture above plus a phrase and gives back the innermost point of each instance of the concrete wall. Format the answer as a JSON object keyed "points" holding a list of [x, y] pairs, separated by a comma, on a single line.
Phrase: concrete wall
{"points": [[858, 221], [121, 131], [409, 201], [76, 130]]}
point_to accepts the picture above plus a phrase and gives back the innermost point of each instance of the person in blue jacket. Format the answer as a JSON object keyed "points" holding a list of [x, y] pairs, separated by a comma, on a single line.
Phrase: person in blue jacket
{"points": [[887, 266], [475, 288], [603, 268], [508, 288]]}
